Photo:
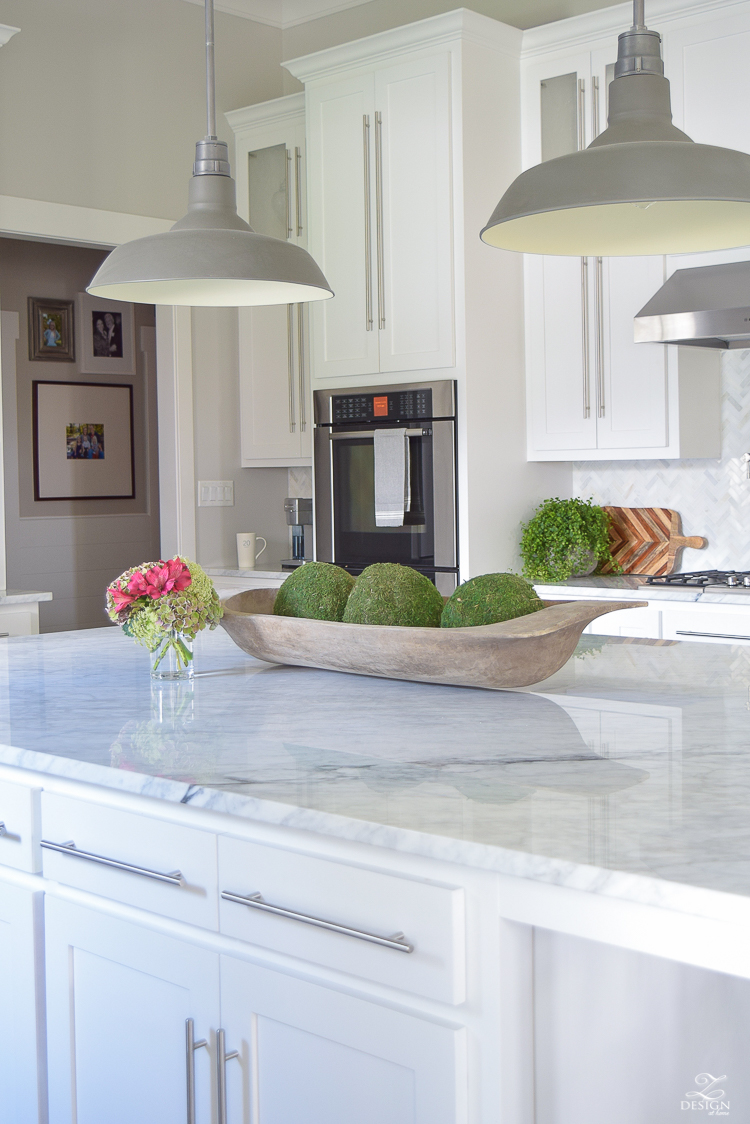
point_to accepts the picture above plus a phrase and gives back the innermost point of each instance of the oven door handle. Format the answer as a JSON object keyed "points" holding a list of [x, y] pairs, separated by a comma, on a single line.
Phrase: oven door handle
{"points": [[368, 433]]}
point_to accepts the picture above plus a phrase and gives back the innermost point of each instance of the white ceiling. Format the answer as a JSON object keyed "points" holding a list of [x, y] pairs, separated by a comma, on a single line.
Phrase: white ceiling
{"points": [[288, 13]]}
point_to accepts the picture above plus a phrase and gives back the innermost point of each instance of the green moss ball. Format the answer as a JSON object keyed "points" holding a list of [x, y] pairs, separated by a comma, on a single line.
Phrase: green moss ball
{"points": [[387, 593], [488, 599], [317, 590]]}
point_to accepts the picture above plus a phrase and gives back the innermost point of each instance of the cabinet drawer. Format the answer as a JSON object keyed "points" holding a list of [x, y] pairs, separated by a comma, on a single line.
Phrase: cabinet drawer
{"points": [[334, 914], [131, 858], [708, 628], [19, 835]]}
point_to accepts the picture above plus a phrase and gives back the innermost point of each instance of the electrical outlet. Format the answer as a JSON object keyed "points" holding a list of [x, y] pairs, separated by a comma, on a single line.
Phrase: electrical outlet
{"points": [[216, 493]]}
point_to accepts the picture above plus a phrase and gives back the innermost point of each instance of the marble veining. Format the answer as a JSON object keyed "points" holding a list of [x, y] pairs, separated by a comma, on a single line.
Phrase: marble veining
{"points": [[627, 773]]}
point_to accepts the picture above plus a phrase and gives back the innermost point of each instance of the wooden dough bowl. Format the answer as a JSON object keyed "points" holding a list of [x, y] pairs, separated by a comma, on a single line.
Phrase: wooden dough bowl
{"points": [[512, 654]]}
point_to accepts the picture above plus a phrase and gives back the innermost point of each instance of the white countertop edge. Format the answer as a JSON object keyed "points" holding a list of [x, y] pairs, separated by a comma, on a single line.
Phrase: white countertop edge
{"points": [[22, 596], [642, 889], [215, 572]]}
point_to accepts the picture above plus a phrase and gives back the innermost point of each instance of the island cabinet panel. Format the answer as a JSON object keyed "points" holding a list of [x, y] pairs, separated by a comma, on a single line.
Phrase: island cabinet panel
{"points": [[22, 1078], [135, 839], [625, 1037], [118, 997], [371, 902], [19, 826], [310, 1054]]}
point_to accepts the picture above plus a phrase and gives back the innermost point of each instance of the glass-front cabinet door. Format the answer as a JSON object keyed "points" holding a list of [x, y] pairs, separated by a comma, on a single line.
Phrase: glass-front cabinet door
{"points": [[274, 369], [591, 390]]}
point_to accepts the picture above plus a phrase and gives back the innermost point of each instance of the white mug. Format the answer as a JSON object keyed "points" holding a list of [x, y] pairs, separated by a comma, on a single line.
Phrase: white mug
{"points": [[246, 555]]}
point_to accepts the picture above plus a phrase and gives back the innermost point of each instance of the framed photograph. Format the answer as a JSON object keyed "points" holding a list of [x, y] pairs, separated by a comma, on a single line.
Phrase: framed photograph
{"points": [[83, 440], [51, 329], [106, 344]]}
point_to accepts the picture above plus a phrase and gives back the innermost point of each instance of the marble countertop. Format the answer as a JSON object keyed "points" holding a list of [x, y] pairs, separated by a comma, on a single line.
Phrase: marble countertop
{"points": [[217, 572], [22, 596], [632, 587], [627, 773]]}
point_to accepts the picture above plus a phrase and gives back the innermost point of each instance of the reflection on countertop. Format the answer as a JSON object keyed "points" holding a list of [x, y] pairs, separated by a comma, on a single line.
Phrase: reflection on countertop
{"points": [[634, 758]]}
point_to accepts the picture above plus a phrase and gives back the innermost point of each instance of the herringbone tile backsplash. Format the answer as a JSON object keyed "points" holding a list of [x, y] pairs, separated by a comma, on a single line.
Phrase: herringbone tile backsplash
{"points": [[712, 496]]}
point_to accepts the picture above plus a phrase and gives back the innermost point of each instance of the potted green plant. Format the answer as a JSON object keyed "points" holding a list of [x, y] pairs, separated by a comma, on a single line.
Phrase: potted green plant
{"points": [[563, 538]]}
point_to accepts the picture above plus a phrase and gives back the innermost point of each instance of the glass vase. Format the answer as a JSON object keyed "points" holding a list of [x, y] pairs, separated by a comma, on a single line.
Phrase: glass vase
{"points": [[173, 658]]}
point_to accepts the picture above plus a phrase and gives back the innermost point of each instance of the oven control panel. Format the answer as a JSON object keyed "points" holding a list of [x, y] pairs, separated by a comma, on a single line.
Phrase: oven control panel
{"points": [[395, 406]]}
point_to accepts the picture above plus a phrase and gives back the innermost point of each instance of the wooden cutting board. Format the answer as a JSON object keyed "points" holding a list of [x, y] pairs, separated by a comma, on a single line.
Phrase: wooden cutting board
{"points": [[648, 540]]}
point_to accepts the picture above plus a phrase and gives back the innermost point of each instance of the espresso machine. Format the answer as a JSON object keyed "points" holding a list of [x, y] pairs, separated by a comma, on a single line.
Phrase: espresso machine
{"points": [[298, 516]]}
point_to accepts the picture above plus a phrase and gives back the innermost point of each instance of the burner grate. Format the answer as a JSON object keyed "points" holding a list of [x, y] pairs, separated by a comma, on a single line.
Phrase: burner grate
{"points": [[731, 578]]}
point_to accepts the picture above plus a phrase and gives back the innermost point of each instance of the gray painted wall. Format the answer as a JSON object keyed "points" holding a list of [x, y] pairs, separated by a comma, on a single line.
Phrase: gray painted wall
{"points": [[72, 548]]}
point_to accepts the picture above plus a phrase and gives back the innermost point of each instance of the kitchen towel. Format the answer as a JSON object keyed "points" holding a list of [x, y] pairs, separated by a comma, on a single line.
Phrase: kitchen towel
{"points": [[392, 491]]}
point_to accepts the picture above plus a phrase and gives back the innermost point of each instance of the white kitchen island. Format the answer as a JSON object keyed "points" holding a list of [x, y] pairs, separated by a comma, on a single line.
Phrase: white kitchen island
{"points": [[536, 903]]}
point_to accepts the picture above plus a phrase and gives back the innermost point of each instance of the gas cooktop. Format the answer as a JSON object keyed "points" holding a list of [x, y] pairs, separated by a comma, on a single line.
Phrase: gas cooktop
{"points": [[733, 579]]}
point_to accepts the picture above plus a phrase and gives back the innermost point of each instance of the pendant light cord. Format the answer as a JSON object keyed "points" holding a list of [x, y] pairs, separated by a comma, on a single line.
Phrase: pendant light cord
{"points": [[211, 74], [639, 16]]}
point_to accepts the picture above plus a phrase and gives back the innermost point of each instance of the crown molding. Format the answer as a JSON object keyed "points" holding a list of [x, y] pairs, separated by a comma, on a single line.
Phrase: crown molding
{"points": [[458, 25], [7, 32], [578, 31], [289, 108]]}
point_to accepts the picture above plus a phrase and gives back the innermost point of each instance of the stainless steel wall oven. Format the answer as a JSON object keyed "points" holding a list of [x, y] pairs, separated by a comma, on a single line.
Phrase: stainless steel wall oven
{"points": [[385, 478]]}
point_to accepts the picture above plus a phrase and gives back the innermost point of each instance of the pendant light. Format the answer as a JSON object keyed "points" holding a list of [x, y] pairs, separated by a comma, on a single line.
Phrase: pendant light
{"points": [[211, 256], [641, 187]]}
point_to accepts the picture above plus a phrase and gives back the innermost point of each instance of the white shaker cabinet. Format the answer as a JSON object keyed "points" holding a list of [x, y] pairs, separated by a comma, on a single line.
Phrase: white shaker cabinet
{"points": [[309, 1053], [118, 999], [592, 392], [21, 1031], [380, 205], [275, 397]]}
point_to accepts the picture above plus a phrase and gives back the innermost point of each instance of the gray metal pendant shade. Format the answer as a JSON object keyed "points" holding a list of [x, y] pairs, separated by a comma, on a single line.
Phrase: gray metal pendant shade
{"points": [[211, 256], [641, 187]]}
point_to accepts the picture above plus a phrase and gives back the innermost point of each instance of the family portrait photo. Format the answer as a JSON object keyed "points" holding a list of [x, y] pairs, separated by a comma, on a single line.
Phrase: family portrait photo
{"points": [[50, 329], [85, 442], [107, 334]]}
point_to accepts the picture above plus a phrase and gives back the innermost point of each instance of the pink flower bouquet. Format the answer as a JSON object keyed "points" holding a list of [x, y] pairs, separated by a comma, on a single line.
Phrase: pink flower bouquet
{"points": [[164, 605]]}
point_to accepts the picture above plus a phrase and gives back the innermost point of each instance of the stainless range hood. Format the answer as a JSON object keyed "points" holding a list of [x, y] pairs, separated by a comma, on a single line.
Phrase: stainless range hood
{"points": [[704, 307]]}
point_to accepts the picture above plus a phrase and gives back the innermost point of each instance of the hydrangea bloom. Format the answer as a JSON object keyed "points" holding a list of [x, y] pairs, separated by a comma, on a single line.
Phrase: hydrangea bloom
{"points": [[156, 603]]}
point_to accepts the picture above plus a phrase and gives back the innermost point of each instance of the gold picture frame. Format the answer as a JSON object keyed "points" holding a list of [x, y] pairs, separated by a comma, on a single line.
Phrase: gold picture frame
{"points": [[51, 330]]}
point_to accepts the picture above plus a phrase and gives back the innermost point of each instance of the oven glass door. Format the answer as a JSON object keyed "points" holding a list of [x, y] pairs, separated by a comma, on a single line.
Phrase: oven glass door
{"points": [[357, 540]]}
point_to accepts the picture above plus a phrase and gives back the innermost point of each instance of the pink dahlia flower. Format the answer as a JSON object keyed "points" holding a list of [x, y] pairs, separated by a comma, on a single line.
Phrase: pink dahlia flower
{"points": [[160, 579]]}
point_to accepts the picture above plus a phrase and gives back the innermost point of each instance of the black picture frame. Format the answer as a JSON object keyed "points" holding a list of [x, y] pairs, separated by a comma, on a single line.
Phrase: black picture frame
{"points": [[52, 470]]}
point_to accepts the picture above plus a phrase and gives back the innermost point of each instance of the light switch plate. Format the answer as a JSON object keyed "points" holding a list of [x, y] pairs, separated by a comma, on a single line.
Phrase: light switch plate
{"points": [[216, 493]]}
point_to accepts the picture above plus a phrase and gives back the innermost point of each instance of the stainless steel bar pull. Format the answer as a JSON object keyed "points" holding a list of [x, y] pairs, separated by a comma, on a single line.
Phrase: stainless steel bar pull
{"points": [[585, 358], [290, 364], [301, 366], [298, 188], [288, 189], [222, 1057], [599, 299], [255, 901], [379, 219], [598, 270], [368, 227], [190, 1047], [174, 878], [3, 829]]}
